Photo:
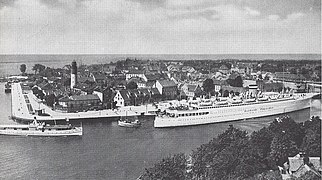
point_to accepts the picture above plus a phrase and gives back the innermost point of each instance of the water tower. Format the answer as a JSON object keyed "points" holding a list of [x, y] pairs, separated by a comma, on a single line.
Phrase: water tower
{"points": [[73, 75]]}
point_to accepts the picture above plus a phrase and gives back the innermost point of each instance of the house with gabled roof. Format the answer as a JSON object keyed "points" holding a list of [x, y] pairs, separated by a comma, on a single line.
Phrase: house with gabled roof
{"points": [[122, 98], [167, 88], [300, 164], [191, 90]]}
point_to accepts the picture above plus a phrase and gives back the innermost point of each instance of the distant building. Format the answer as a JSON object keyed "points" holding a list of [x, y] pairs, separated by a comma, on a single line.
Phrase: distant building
{"points": [[135, 73], [286, 76], [218, 85], [224, 69]]}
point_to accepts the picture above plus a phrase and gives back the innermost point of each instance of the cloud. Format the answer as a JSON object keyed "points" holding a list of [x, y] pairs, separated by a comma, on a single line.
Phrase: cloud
{"points": [[295, 16], [252, 12], [5, 3], [169, 26], [273, 17]]}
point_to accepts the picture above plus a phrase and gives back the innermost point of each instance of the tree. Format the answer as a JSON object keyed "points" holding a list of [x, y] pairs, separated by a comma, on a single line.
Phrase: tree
{"points": [[237, 82], [289, 127], [131, 85], [281, 148], [208, 85], [172, 167], [312, 140], [41, 95], [226, 93], [38, 68], [23, 68], [50, 99]]}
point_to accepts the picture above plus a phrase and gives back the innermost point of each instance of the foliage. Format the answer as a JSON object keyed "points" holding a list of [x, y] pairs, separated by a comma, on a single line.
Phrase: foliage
{"points": [[226, 93], [208, 85], [281, 148], [172, 167], [23, 68], [50, 99], [289, 127], [237, 82], [38, 68], [268, 175], [236, 155], [131, 85], [312, 140]]}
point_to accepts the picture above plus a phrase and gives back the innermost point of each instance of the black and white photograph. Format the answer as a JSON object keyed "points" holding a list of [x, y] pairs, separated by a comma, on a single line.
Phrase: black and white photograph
{"points": [[160, 89]]}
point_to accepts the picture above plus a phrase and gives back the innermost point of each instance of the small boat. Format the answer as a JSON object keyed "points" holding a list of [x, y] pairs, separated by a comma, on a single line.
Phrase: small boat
{"points": [[40, 129], [127, 123]]}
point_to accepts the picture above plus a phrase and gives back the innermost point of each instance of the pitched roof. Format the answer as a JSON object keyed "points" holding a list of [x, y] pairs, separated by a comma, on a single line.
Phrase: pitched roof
{"points": [[134, 71], [154, 91], [144, 91], [64, 99], [297, 161], [85, 97], [99, 76], [125, 94], [218, 82], [167, 83], [191, 87]]}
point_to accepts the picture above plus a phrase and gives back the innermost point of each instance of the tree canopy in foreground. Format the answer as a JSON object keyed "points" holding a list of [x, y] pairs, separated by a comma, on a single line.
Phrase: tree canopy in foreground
{"points": [[235, 154]]}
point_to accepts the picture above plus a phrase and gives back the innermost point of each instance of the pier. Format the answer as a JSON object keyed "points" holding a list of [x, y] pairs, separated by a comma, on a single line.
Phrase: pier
{"points": [[26, 104]]}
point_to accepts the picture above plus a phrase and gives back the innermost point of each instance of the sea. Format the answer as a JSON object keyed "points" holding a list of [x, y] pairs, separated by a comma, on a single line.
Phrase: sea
{"points": [[105, 151], [10, 64]]}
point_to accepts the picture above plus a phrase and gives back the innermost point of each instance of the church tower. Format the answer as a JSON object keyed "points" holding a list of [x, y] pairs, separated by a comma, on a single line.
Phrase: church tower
{"points": [[73, 75]]}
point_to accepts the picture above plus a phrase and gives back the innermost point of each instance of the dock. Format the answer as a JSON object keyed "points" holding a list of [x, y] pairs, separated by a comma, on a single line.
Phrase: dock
{"points": [[24, 105]]}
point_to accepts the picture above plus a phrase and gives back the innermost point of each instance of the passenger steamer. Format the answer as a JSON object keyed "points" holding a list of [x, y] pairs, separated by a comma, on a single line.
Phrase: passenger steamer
{"points": [[205, 112], [40, 129]]}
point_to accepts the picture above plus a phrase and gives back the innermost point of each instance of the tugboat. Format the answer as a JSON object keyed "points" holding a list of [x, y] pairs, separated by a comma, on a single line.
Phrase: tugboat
{"points": [[125, 122], [40, 129], [7, 87]]}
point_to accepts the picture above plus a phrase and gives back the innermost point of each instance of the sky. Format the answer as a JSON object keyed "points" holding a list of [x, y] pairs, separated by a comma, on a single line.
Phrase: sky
{"points": [[160, 26]]}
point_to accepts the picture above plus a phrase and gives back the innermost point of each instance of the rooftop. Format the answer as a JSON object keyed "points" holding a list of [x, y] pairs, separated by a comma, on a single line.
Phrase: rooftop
{"points": [[85, 97], [167, 83]]}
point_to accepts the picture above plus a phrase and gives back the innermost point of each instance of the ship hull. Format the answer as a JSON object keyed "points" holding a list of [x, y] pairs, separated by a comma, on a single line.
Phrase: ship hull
{"points": [[72, 132], [233, 113]]}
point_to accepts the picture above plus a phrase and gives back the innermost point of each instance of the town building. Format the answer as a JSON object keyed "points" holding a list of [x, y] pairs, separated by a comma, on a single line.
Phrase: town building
{"points": [[135, 73], [191, 90], [167, 88], [299, 165], [79, 103]]}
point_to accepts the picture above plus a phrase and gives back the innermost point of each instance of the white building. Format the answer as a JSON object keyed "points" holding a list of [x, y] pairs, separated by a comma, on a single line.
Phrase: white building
{"points": [[138, 74]]}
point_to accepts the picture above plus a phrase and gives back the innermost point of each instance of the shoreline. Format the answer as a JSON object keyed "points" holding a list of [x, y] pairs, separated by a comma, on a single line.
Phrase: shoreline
{"points": [[21, 112]]}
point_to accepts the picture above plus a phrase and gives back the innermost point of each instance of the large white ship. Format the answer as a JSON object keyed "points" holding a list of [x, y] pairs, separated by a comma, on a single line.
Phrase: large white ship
{"points": [[205, 112]]}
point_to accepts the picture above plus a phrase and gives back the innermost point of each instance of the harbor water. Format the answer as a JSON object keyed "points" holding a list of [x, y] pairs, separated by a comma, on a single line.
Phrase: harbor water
{"points": [[107, 151]]}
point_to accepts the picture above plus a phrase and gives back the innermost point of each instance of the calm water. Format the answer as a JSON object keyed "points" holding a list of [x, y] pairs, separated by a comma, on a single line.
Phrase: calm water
{"points": [[9, 64], [107, 151]]}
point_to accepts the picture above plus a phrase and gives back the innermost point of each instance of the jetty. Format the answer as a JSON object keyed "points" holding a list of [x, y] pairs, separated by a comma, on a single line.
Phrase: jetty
{"points": [[25, 105]]}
